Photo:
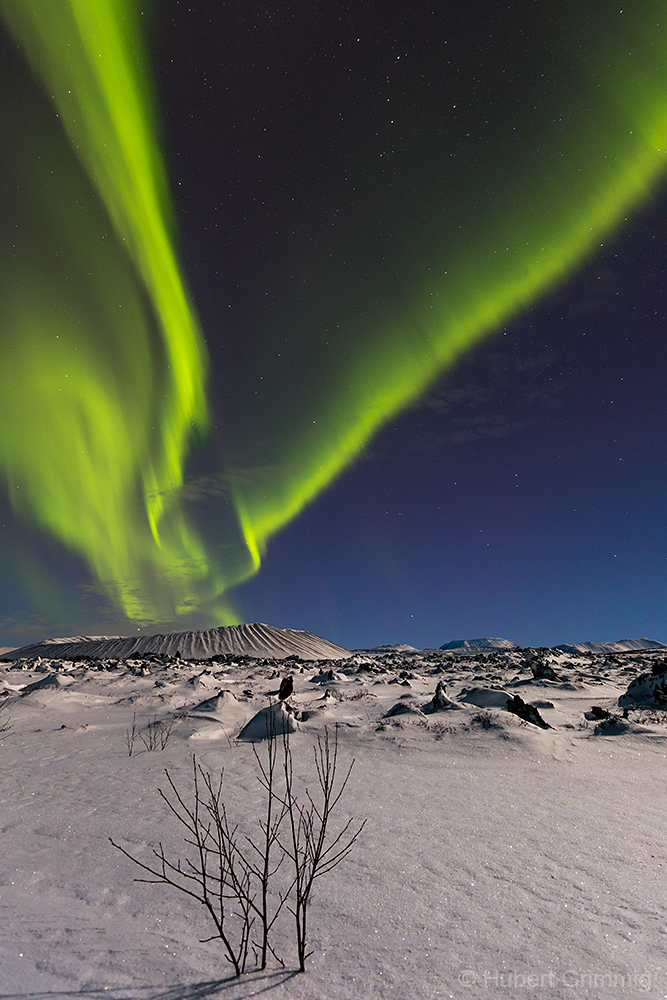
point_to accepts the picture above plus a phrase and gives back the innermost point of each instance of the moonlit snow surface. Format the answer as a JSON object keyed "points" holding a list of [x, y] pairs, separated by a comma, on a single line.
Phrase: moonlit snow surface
{"points": [[494, 850]]}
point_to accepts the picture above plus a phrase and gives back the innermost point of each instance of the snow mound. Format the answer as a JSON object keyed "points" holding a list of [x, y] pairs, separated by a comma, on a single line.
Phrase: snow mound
{"points": [[50, 681], [485, 698], [275, 719], [621, 646], [480, 645], [257, 640], [215, 704], [407, 706]]}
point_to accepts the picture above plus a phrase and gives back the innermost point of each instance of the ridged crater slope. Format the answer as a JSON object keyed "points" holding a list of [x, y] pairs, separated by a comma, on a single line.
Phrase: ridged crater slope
{"points": [[261, 641]]}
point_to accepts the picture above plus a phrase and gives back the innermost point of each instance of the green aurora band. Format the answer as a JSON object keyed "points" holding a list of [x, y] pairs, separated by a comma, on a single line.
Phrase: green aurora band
{"points": [[539, 210], [101, 347], [106, 358]]}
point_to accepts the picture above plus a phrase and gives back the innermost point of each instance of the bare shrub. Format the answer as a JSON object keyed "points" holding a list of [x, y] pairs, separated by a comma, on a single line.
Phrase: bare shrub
{"points": [[261, 856], [216, 874], [440, 729], [484, 719], [156, 734], [5, 721], [314, 851], [131, 735], [234, 877]]}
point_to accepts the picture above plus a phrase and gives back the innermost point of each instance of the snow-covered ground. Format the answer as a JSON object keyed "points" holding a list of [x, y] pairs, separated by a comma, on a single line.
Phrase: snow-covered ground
{"points": [[499, 859]]}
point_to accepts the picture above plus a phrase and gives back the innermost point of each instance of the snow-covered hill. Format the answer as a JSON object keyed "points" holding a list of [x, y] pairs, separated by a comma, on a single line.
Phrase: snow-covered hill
{"points": [[620, 646], [258, 640], [478, 645]]}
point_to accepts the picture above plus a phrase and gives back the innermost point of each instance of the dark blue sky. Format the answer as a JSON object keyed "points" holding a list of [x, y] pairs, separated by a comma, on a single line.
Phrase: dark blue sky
{"points": [[524, 495]]}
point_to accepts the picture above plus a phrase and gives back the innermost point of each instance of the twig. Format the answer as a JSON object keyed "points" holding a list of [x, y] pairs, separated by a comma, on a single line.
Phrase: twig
{"points": [[312, 850], [131, 735]]}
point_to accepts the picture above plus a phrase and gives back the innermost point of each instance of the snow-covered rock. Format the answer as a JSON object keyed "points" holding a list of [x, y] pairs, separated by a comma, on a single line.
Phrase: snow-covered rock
{"points": [[647, 689], [485, 698], [275, 719]]}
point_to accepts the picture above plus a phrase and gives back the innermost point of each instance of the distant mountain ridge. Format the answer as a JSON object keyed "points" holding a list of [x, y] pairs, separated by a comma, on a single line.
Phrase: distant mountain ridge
{"points": [[258, 640], [620, 646], [487, 644], [268, 642], [392, 647], [480, 644]]}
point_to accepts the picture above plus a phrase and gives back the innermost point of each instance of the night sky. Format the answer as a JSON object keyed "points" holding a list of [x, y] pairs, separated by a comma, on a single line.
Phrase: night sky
{"points": [[332, 168], [523, 497]]}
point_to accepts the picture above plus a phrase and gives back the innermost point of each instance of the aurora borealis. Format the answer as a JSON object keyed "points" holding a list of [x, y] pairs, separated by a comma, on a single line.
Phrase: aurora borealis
{"points": [[360, 200], [103, 348]]}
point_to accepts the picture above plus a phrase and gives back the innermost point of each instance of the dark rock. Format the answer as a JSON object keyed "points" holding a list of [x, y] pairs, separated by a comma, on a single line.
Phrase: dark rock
{"points": [[542, 669], [286, 687], [596, 712], [324, 677], [528, 713]]}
